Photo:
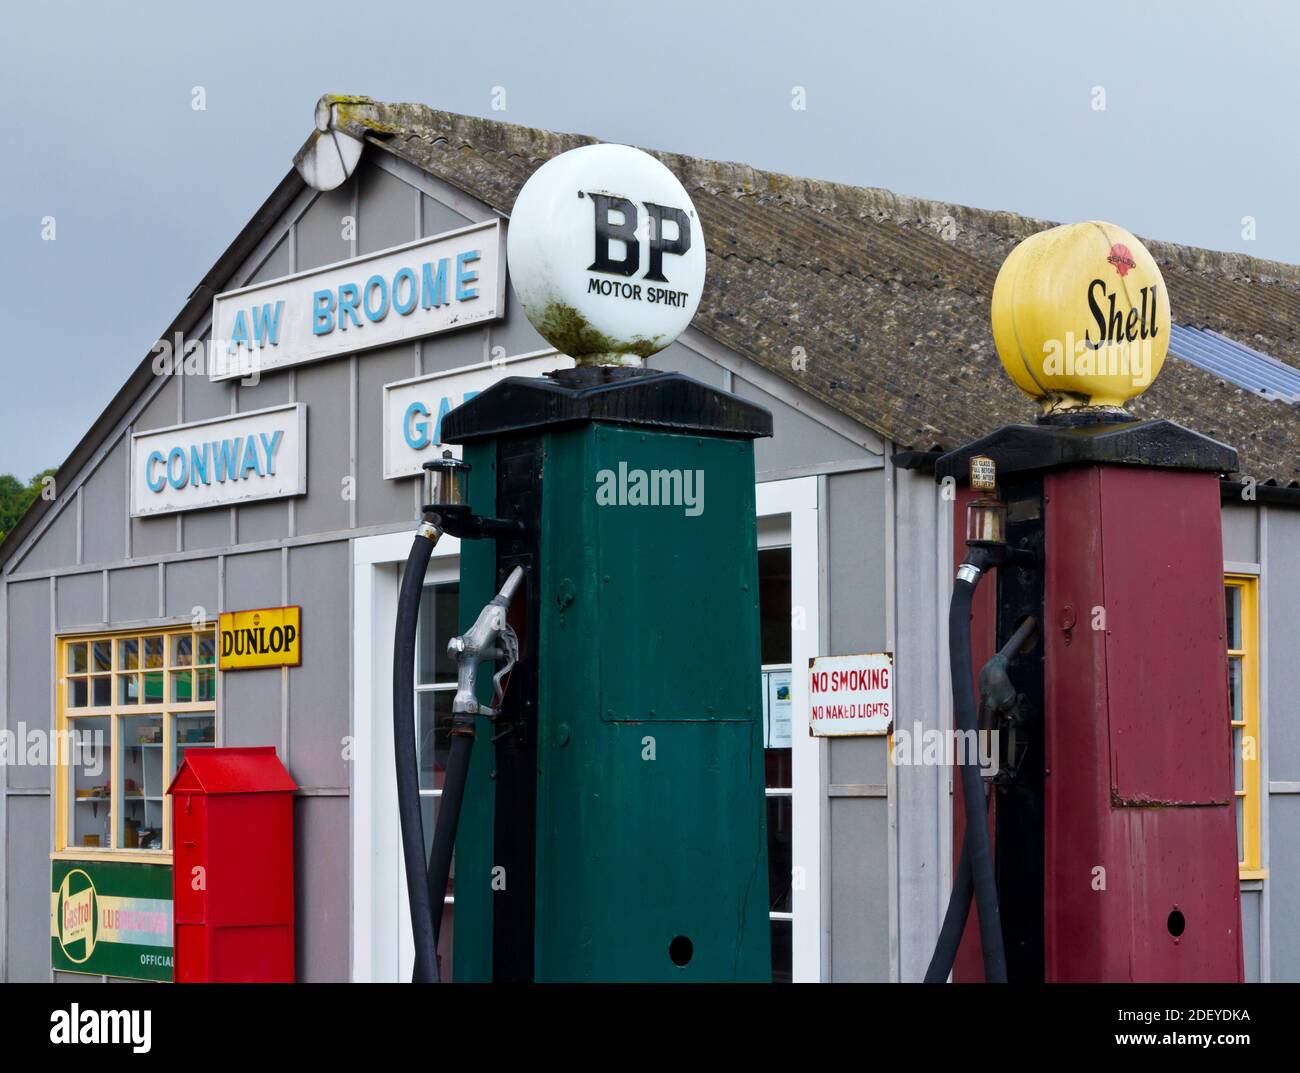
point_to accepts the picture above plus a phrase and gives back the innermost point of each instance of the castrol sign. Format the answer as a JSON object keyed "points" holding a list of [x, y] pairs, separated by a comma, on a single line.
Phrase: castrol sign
{"points": [[851, 695]]}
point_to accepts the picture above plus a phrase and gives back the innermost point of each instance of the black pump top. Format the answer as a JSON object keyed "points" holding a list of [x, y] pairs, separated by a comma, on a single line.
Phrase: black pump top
{"points": [[621, 395], [1025, 448]]}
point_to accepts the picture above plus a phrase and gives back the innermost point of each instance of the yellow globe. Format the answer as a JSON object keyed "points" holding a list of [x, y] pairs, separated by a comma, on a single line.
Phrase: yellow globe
{"points": [[1081, 316]]}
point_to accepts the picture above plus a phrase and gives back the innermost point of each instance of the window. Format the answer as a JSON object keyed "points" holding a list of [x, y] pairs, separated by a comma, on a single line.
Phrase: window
{"points": [[129, 706], [774, 624], [1241, 600], [435, 689]]}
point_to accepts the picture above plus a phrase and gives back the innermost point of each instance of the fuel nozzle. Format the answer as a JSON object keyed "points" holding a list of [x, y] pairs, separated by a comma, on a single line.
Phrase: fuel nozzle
{"points": [[490, 638]]}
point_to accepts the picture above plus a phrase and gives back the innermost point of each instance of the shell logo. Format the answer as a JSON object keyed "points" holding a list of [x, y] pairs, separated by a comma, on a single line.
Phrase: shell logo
{"points": [[1121, 258], [1080, 317]]}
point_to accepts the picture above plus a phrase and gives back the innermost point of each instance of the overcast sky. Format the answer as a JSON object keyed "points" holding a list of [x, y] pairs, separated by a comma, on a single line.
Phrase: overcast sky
{"points": [[992, 105]]}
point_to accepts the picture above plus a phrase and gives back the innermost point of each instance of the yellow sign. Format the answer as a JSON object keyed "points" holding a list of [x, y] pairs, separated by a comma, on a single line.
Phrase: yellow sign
{"points": [[983, 473], [266, 637], [1081, 316]]}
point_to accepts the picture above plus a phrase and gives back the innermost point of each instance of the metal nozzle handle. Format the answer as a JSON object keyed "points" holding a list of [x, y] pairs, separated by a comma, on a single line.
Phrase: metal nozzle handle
{"points": [[507, 592]]}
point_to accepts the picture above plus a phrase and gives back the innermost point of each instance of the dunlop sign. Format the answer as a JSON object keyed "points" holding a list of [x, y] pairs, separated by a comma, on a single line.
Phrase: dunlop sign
{"points": [[266, 637]]}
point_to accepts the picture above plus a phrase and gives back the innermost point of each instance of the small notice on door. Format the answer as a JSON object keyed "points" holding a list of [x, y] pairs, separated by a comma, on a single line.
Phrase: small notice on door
{"points": [[265, 637], [777, 709], [851, 695]]}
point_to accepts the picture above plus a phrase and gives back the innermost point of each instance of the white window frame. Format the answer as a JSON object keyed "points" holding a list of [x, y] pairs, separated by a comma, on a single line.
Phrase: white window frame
{"points": [[382, 946]]}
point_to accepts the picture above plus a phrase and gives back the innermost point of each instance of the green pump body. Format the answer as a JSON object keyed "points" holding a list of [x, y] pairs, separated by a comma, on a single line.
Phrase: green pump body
{"points": [[613, 827]]}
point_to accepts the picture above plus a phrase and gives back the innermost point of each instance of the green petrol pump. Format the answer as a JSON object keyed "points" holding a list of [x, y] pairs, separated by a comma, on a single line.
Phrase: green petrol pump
{"points": [[605, 784]]}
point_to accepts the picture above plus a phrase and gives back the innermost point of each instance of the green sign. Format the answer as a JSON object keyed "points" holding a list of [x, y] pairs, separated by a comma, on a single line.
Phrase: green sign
{"points": [[111, 918]]}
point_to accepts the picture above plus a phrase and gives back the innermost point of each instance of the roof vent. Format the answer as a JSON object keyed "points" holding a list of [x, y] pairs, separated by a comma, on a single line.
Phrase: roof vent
{"points": [[330, 155]]}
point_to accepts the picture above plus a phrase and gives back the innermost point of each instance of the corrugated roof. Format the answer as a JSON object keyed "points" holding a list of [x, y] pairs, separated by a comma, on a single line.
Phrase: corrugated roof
{"points": [[888, 296], [1266, 377]]}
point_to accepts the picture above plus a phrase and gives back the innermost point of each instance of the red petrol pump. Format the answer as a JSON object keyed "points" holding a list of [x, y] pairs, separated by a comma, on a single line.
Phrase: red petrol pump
{"points": [[1090, 592]]}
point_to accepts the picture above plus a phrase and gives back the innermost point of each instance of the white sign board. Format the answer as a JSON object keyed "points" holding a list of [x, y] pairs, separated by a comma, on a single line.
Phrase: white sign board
{"points": [[851, 695], [432, 285], [414, 409], [258, 455]]}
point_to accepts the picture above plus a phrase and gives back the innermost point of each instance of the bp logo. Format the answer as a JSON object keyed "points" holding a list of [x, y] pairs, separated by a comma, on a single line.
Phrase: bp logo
{"points": [[76, 916]]}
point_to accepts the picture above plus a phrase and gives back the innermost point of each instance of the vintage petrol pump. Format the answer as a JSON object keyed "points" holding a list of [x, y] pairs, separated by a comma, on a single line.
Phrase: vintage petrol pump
{"points": [[1111, 850], [611, 816]]}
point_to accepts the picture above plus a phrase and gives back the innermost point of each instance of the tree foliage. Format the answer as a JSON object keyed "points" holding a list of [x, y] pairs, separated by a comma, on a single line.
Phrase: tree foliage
{"points": [[16, 497]]}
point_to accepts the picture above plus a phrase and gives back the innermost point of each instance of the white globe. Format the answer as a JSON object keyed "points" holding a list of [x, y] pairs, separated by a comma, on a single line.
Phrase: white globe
{"points": [[606, 254]]}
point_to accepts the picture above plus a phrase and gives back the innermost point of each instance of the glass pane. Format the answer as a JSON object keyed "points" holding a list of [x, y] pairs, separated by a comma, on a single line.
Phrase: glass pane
{"points": [[433, 734], [779, 857], [445, 934], [1234, 688], [78, 692], [438, 609], [778, 768], [91, 744], [182, 650], [207, 684], [77, 658], [101, 690], [1232, 600], [207, 648], [153, 687], [143, 783], [128, 689], [102, 656], [1237, 734], [774, 604], [782, 948], [128, 654], [192, 732], [182, 687], [153, 651], [1241, 829]]}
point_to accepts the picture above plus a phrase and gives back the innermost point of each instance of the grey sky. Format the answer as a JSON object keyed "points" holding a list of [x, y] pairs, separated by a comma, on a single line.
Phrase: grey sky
{"points": [[982, 104]]}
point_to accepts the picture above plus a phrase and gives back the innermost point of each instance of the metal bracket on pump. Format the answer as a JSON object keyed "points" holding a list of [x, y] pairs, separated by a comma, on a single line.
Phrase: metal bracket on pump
{"points": [[446, 508]]}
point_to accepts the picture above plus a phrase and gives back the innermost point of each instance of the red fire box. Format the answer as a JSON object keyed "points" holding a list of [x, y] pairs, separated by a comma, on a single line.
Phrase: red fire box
{"points": [[232, 876]]}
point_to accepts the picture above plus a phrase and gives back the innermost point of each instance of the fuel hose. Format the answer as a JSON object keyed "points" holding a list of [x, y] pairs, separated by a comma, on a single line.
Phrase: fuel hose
{"points": [[423, 929], [975, 869], [963, 888]]}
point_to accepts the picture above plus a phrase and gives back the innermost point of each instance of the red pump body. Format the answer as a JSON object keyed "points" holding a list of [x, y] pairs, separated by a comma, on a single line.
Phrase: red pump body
{"points": [[1139, 838]]}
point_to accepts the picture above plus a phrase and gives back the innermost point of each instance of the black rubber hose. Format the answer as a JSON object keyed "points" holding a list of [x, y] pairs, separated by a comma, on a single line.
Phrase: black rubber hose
{"points": [[977, 839], [954, 920], [444, 828], [408, 772]]}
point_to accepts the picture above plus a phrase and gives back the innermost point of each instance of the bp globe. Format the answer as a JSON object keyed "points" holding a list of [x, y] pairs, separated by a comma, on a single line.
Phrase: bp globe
{"points": [[606, 254]]}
